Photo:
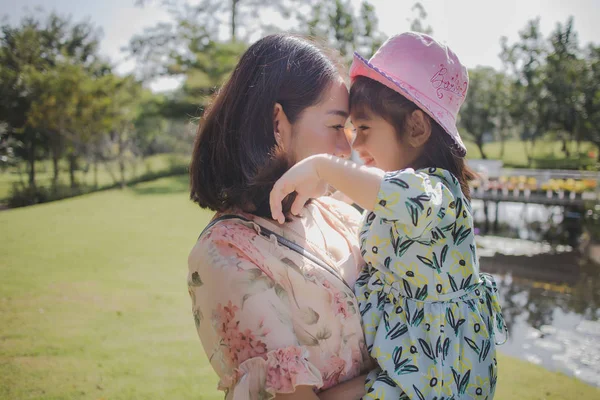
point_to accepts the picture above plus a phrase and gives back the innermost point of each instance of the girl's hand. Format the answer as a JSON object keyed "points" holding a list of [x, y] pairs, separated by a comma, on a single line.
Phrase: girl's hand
{"points": [[304, 179]]}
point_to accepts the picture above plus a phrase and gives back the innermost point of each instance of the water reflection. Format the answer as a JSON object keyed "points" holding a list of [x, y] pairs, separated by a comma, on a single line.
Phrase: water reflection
{"points": [[550, 294]]}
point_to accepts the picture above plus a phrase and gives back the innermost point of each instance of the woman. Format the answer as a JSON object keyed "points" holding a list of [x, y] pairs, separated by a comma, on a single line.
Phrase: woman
{"points": [[274, 323]]}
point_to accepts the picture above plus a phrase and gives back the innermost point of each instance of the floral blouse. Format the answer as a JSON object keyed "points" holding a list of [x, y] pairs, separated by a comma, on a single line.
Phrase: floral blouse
{"points": [[269, 319]]}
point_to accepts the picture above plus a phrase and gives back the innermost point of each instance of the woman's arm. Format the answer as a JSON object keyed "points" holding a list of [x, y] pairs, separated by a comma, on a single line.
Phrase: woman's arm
{"points": [[353, 389], [244, 325], [301, 393]]}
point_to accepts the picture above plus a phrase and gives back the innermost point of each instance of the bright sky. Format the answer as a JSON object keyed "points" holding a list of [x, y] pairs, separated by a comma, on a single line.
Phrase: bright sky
{"points": [[472, 28]]}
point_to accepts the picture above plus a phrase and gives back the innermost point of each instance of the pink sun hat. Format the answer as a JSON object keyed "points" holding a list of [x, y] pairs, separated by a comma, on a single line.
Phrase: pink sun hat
{"points": [[424, 71]]}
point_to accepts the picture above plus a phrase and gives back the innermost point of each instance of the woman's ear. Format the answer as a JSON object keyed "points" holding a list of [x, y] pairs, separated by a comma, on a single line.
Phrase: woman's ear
{"points": [[419, 128], [282, 129]]}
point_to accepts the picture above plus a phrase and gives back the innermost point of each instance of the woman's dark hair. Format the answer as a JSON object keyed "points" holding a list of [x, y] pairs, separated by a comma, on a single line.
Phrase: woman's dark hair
{"points": [[236, 159], [440, 150]]}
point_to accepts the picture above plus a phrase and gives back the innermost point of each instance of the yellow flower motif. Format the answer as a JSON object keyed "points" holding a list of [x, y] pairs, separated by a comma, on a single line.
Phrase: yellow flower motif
{"points": [[477, 325], [480, 388], [432, 322], [386, 202], [432, 380], [379, 245], [380, 355], [461, 264], [410, 272], [462, 363], [371, 327], [446, 387]]}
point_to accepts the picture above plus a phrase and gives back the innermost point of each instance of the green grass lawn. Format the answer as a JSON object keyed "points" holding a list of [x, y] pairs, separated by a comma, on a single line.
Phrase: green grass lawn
{"points": [[94, 303], [515, 155]]}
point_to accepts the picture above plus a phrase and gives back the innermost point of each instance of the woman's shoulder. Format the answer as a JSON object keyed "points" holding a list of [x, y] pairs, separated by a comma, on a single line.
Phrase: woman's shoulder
{"points": [[227, 239]]}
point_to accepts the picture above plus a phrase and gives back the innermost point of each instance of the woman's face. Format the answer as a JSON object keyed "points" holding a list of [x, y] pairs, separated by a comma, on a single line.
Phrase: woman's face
{"points": [[320, 128]]}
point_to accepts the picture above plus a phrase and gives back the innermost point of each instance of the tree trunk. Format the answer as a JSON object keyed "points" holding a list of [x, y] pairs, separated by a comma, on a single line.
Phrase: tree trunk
{"points": [[528, 153], [31, 162], [121, 158], [54, 168], [95, 171], [234, 4], [565, 148], [479, 143], [72, 166]]}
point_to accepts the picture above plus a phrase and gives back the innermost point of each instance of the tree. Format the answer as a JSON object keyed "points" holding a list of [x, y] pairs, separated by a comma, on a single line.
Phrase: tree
{"points": [[337, 24], [37, 44], [524, 61], [588, 123], [563, 70], [484, 112], [417, 23]]}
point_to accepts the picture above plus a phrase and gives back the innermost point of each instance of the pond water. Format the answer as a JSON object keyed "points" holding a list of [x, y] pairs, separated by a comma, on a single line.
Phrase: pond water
{"points": [[550, 294]]}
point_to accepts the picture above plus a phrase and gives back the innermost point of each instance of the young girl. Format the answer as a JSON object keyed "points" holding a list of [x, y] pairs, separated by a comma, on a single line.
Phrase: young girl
{"points": [[431, 320]]}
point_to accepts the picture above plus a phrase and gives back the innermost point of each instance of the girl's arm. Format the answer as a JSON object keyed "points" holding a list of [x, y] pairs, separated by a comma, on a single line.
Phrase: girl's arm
{"points": [[358, 182], [309, 178]]}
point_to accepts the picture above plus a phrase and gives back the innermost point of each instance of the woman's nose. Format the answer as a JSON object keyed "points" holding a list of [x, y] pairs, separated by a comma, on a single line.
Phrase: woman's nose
{"points": [[342, 148]]}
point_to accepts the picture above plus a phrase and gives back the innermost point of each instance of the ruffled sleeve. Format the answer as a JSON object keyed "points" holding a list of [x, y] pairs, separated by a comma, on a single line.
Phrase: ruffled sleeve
{"points": [[242, 316], [415, 200], [281, 372]]}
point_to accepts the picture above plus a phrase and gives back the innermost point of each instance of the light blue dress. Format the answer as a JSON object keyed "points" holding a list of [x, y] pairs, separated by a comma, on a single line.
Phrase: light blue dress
{"points": [[431, 320]]}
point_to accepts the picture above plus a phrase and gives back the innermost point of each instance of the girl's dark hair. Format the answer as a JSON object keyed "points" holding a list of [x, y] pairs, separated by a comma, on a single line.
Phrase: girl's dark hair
{"points": [[440, 150], [236, 160]]}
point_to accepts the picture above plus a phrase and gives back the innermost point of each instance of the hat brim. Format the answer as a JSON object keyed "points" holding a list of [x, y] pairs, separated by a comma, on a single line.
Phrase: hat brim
{"points": [[362, 67]]}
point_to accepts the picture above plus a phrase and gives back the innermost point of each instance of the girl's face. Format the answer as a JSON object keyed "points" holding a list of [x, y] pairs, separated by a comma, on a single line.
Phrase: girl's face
{"points": [[379, 145]]}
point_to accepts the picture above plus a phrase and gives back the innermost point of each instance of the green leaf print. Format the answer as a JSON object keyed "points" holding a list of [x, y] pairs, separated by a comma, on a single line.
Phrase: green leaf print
{"points": [[403, 247], [445, 348], [386, 320], [401, 366], [427, 261], [485, 349], [282, 293], [418, 201], [418, 392], [464, 382], [309, 316], [398, 330], [305, 338], [197, 317], [196, 281], [452, 282], [292, 265], [455, 324], [418, 318], [444, 254], [436, 263], [473, 345], [493, 376], [407, 288], [421, 293], [427, 349], [398, 182], [459, 206], [323, 334], [465, 283], [413, 212]]}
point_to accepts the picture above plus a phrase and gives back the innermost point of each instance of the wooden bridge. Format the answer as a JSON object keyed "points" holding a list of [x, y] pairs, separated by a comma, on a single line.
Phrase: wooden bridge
{"points": [[546, 187]]}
